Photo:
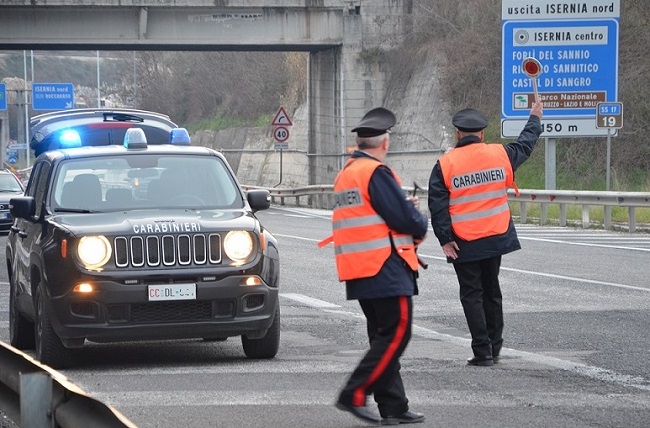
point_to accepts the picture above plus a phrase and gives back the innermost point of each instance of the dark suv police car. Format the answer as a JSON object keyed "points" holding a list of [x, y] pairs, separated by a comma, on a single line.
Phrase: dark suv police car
{"points": [[94, 256]]}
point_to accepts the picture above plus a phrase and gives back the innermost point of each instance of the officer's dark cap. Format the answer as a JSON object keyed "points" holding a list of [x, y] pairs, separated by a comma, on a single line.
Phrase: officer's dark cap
{"points": [[376, 122], [469, 120]]}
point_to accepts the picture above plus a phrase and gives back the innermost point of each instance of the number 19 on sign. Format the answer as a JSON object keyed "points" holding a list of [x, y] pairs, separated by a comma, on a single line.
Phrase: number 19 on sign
{"points": [[609, 115]]}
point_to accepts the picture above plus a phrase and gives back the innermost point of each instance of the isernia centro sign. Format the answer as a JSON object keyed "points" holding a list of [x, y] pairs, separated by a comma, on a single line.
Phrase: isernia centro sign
{"points": [[577, 46]]}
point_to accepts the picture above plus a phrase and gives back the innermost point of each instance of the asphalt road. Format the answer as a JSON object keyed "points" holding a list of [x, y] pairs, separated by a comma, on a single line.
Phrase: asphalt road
{"points": [[577, 310]]}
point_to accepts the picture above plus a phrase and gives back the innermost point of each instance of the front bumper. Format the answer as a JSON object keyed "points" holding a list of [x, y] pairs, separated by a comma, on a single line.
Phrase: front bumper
{"points": [[118, 312]]}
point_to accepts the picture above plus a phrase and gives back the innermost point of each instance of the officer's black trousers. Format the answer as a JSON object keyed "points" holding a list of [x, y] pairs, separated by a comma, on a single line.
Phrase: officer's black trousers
{"points": [[389, 330], [480, 296]]}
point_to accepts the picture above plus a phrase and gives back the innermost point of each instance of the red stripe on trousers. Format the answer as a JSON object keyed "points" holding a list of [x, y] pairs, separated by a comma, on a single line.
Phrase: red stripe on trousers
{"points": [[359, 396]]}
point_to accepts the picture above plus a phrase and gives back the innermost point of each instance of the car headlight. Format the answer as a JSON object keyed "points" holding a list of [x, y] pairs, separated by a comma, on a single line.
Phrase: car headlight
{"points": [[94, 251], [238, 245]]}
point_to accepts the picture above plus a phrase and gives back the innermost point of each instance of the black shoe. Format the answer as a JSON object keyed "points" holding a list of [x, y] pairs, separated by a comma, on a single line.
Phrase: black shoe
{"points": [[496, 358], [407, 417], [479, 361], [359, 412]]}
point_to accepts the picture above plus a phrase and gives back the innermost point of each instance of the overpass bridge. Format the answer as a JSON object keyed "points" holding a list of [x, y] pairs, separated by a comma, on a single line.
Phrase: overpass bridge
{"points": [[335, 33]]}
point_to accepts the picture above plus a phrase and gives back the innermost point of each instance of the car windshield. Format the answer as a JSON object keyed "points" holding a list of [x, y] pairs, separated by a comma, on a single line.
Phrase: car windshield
{"points": [[143, 181], [9, 183]]}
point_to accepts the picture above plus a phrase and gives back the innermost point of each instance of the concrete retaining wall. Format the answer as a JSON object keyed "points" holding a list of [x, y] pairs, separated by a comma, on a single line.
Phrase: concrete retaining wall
{"points": [[421, 135]]}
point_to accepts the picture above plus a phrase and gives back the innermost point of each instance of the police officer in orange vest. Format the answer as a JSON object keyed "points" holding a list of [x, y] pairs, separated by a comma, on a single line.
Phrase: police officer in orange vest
{"points": [[376, 230], [471, 219]]}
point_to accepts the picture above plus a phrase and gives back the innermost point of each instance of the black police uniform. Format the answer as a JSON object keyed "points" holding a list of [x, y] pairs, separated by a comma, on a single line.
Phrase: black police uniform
{"points": [[478, 263], [386, 297]]}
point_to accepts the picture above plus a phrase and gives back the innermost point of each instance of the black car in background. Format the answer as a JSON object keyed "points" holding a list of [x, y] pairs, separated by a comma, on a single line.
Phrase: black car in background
{"points": [[10, 186], [109, 261]]}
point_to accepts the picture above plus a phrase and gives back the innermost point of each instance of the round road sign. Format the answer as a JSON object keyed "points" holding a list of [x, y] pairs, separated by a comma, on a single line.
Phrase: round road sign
{"points": [[532, 67], [281, 134]]}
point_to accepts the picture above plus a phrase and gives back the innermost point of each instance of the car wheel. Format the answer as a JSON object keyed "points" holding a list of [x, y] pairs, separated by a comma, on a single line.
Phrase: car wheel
{"points": [[267, 346], [49, 348], [21, 331]]}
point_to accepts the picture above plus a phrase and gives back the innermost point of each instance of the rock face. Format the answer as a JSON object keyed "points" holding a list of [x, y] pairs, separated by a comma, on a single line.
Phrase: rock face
{"points": [[423, 132]]}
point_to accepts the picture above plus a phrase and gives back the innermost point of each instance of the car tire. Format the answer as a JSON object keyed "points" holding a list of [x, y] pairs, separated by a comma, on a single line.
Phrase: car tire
{"points": [[266, 347], [21, 330], [49, 348]]}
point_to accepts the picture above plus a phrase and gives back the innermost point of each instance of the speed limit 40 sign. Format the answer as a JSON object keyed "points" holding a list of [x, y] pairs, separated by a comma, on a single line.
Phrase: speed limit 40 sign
{"points": [[281, 134], [609, 115]]}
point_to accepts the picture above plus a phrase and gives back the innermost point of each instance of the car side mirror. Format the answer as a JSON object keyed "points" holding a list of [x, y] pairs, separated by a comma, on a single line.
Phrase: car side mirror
{"points": [[22, 207], [259, 199]]}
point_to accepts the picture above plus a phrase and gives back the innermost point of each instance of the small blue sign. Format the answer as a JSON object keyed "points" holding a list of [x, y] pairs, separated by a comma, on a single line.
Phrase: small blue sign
{"points": [[52, 96], [610, 109], [3, 96]]}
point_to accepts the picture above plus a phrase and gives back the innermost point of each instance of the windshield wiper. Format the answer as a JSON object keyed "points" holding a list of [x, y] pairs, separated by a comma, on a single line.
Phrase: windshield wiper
{"points": [[74, 210]]}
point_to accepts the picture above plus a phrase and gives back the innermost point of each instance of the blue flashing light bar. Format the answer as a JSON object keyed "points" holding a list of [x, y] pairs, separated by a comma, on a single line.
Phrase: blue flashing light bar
{"points": [[69, 139], [179, 137]]}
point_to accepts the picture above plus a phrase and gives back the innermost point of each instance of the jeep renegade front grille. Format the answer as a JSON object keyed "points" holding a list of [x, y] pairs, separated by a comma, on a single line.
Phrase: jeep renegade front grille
{"points": [[167, 250]]}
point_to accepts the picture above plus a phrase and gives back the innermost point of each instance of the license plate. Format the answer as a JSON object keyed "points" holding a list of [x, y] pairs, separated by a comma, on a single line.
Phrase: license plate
{"points": [[172, 292]]}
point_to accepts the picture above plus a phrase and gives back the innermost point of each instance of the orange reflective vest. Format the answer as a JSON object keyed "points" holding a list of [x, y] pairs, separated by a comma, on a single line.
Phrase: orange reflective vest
{"points": [[478, 176], [362, 239]]}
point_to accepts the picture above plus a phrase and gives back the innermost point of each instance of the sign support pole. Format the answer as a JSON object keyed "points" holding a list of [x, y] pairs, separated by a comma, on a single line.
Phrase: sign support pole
{"points": [[281, 134], [549, 163], [27, 136], [607, 220], [280, 182], [609, 156]]}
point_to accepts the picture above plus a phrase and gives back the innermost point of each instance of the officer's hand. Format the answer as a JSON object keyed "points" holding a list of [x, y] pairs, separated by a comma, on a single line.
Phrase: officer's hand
{"points": [[415, 200], [451, 250], [537, 109]]}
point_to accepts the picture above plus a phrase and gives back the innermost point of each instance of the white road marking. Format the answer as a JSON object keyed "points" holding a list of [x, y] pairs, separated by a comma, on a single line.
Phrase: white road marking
{"points": [[296, 237], [289, 366], [584, 244], [570, 278], [551, 275], [310, 301], [597, 373], [548, 275], [315, 213]]}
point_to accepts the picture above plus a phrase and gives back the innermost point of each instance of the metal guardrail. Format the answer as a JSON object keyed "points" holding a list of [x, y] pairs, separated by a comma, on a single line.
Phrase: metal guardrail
{"points": [[321, 196], [586, 199], [36, 396]]}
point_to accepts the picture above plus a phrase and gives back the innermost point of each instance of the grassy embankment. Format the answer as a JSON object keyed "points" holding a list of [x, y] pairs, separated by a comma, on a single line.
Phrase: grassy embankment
{"points": [[218, 123]]}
